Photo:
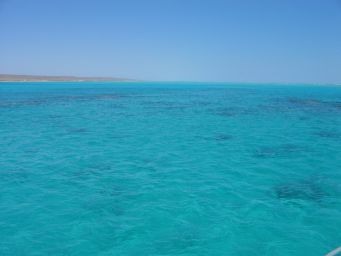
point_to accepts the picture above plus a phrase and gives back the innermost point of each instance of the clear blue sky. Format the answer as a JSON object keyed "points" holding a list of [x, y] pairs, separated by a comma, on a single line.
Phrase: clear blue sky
{"points": [[198, 40]]}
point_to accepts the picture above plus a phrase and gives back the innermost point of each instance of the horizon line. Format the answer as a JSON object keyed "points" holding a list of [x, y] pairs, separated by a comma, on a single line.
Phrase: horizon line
{"points": [[76, 78]]}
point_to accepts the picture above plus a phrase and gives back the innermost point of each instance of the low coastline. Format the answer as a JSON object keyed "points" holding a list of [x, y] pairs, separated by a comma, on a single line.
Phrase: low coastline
{"points": [[37, 78]]}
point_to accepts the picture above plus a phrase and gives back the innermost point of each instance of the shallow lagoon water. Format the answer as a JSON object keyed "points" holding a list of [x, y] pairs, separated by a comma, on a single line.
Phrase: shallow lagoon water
{"points": [[169, 169]]}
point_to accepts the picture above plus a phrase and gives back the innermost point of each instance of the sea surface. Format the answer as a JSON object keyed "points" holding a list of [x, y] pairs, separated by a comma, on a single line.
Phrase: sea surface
{"points": [[184, 169]]}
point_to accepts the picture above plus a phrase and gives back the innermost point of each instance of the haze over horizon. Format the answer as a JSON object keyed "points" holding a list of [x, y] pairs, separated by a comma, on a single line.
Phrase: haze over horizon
{"points": [[234, 41]]}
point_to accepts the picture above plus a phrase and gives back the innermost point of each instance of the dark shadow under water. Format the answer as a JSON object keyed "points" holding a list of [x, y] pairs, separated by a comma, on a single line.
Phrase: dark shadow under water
{"points": [[306, 189], [286, 150], [328, 134], [57, 99]]}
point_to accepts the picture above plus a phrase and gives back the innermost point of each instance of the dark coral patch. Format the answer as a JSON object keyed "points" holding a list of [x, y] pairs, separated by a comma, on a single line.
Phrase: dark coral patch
{"points": [[223, 137], [314, 104], [304, 190], [79, 130], [57, 100], [233, 111], [285, 150], [328, 134]]}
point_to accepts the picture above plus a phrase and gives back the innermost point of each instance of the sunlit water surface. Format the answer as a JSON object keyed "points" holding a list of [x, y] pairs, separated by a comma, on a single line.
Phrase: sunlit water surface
{"points": [[169, 169]]}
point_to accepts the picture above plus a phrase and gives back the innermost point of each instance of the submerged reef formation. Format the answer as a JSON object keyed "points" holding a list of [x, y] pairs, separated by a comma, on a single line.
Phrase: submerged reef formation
{"points": [[313, 104], [56, 100], [303, 189], [223, 137], [328, 134], [285, 150]]}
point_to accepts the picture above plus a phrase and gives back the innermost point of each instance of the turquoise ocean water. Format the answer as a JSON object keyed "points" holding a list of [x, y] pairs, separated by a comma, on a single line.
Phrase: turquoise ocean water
{"points": [[169, 169]]}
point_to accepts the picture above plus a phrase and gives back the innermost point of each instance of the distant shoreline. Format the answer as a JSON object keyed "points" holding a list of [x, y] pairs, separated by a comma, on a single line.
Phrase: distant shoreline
{"points": [[9, 78], [36, 78]]}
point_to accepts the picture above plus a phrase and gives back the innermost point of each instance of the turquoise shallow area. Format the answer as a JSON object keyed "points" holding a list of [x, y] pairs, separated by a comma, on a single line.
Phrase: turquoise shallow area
{"points": [[169, 169]]}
